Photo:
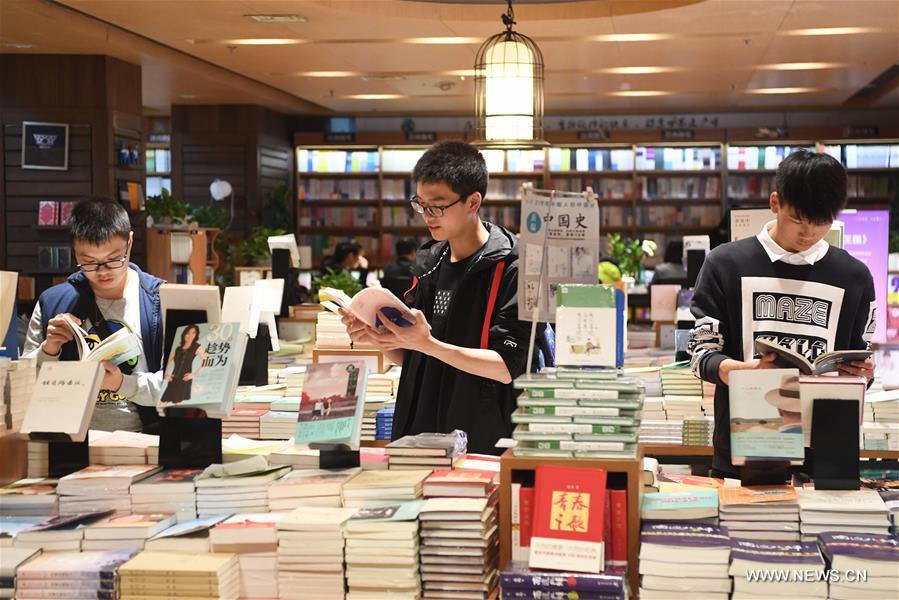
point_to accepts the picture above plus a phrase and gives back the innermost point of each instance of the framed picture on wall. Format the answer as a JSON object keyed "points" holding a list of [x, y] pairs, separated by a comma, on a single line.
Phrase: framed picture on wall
{"points": [[45, 146]]}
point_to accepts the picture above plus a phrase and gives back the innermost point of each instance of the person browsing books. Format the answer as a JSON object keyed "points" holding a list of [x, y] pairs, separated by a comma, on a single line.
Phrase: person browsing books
{"points": [[467, 344], [398, 274], [786, 285], [106, 294]]}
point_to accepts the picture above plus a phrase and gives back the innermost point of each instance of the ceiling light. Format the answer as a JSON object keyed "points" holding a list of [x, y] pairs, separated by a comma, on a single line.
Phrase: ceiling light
{"points": [[831, 31], [18, 46], [327, 74], [640, 93], [459, 73], [263, 41], [632, 37], [187, 96], [638, 70], [441, 40], [278, 18], [509, 90], [374, 96], [781, 90], [801, 66]]}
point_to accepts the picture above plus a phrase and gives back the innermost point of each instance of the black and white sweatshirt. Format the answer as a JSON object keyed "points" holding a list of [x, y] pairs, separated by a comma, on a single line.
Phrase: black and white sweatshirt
{"points": [[814, 302]]}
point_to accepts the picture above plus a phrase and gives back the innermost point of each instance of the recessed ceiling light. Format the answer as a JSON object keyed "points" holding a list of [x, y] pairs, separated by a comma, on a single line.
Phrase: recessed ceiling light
{"points": [[19, 46], [801, 66], [263, 41], [632, 37], [278, 18], [781, 90], [443, 40], [831, 31], [638, 70], [374, 96], [459, 73], [187, 96], [640, 93], [327, 73]]}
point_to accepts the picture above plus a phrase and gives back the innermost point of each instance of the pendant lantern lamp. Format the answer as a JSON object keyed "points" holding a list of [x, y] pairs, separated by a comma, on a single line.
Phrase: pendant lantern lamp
{"points": [[508, 79]]}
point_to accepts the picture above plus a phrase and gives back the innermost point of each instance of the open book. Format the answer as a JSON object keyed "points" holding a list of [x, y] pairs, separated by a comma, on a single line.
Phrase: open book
{"points": [[825, 363], [366, 304], [118, 348]]}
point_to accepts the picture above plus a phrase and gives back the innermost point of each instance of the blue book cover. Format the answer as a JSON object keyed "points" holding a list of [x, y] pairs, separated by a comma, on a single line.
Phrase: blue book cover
{"points": [[685, 535], [861, 546], [804, 554], [518, 576], [331, 404]]}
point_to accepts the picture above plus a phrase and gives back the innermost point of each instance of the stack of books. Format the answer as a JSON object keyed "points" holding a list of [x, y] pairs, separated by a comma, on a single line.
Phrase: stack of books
{"points": [[653, 410], [459, 547], [28, 498], [57, 534], [370, 487], [382, 551], [373, 405], [680, 381], [845, 511], [698, 430], [124, 448], [236, 494], [425, 451], [580, 412], [790, 557], [100, 488], [459, 483], [243, 422], [693, 507], [661, 432], [760, 512], [298, 457], [77, 575], [179, 575], [385, 423], [186, 536], [874, 555], [20, 377], [171, 491], [310, 487], [128, 532], [277, 425], [311, 553], [330, 332], [518, 581], [689, 560], [708, 399], [292, 378], [254, 538], [10, 561], [881, 428], [651, 472], [38, 459]]}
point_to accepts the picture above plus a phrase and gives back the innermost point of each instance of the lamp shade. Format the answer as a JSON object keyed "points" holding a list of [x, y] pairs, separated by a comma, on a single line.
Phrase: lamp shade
{"points": [[220, 189]]}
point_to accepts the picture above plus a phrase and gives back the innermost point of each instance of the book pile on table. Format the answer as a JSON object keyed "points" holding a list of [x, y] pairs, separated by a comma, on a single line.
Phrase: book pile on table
{"points": [[254, 538], [186, 536], [277, 425], [425, 451], [28, 497], [374, 404], [518, 581], [382, 551], [698, 430], [298, 457], [875, 555], [311, 487], [171, 491], [330, 332], [689, 507], [123, 448], [292, 378], [651, 472], [680, 560], [760, 556], [459, 547], [459, 483], [239, 493], [845, 511], [180, 575], [20, 378], [586, 413], [311, 553], [708, 399], [100, 488], [60, 533], [10, 561], [38, 459], [881, 427], [680, 381], [369, 487], [760, 512], [125, 532], [385, 422], [243, 422], [76, 575]]}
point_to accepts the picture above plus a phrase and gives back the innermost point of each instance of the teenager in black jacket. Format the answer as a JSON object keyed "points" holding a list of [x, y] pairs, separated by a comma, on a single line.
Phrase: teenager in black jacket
{"points": [[467, 345]]}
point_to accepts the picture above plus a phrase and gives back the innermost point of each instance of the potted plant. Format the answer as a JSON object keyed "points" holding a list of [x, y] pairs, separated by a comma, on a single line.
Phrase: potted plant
{"points": [[343, 281], [167, 212], [254, 250], [629, 254]]}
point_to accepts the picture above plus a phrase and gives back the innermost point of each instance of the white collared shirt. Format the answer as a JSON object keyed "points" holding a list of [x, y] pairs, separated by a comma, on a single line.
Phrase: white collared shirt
{"points": [[776, 253]]}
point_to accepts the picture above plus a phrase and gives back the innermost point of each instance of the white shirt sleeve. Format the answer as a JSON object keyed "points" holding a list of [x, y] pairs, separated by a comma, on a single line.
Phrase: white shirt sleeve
{"points": [[35, 337], [144, 389]]}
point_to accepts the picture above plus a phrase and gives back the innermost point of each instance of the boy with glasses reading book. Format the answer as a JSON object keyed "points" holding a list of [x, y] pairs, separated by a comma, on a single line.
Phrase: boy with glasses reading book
{"points": [[467, 344], [105, 295]]}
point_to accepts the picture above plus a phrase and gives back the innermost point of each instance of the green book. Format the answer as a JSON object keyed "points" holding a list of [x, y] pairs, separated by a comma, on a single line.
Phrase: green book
{"points": [[588, 446], [518, 417], [620, 404], [527, 436], [537, 453], [573, 428], [575, 394], [594, 420], [570, 411], [531, 381], [527, 402], [628, 438]]}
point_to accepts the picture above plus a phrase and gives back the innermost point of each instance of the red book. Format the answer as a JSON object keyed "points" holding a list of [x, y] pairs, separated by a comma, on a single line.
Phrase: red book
{"points": [[65, 211], [458, 484], [607, 533], [526, 512], [47, 212], [569, 519], [618, 551]]}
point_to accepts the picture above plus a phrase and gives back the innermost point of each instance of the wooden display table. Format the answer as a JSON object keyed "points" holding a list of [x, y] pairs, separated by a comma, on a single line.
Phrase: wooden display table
{"points": [[632, 469], [674, 450], [13, 456]]}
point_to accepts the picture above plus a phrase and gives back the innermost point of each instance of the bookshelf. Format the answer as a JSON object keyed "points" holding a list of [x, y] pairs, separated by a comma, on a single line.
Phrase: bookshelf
{"points": [[183, 256], [158, 155]]}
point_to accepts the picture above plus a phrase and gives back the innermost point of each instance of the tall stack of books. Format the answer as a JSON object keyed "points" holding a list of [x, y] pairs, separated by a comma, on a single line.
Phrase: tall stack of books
{"points": [[243, 422], [689, 507], [179, 575], [698, 430], [10, 561], [171, 491], [310, 487], [293, 378], [370, 487], [760, 512], [330, 332], [518, 581], [311, 553], [124, 448], [845, 511], [874, 555], [28, 498], [78, 575], [58, 534], [690, 560], [425, 451], [373, 404], [236, 494], [382, 551], [254, 538], [581, 412], [384, 422], [20, 378], [277, 425], [100, 488], [127, 532], [459, 547], [38, 459], [760, 556], [881, 429]]}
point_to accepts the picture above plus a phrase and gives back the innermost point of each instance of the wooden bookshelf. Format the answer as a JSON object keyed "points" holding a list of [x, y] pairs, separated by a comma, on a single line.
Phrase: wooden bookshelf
{"points": [[202, 255], [632, 469], [14, 450]]}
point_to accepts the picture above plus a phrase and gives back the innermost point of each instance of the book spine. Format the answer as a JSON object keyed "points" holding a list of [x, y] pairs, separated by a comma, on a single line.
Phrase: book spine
{"points": [[618, 549], [526, 509], [564, 582], [516, 522], [607, 531], [542, 594]]}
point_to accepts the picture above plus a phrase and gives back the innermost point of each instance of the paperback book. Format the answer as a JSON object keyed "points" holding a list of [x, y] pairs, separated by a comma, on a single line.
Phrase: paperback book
{"points": [[585, 316], [765, 416], [331, 404], [824, 363]]}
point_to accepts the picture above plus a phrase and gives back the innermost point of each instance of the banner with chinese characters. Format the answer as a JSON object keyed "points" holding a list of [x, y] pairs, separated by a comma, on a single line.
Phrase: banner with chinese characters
{"points": [[559, 244], [866, 237]]}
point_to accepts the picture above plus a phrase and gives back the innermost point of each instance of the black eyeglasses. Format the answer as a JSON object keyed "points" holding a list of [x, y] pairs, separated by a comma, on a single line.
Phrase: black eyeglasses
{"points": [[434, 211], [111, 265]]}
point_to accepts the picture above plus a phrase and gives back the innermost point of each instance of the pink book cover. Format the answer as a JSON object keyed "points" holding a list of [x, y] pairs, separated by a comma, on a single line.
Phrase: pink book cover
{"points": [[47, 212], [65, 211]]}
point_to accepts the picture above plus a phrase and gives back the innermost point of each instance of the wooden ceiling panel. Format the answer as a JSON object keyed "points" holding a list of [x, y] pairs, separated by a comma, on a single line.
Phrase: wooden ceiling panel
{"points": [[712, 16], [857, 50], [810, 14], [414, 57]]}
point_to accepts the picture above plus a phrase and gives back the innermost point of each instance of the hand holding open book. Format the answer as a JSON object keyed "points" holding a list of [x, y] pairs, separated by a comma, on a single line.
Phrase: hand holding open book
{"points": [[827, 362], [118, 348], [367, 306]]}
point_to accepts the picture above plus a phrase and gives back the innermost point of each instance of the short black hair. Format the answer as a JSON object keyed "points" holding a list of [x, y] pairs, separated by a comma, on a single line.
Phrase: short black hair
{"points": [[344, 249], [459, 164], [97, 219], [674, 252], [404, 247], [813, 184]]}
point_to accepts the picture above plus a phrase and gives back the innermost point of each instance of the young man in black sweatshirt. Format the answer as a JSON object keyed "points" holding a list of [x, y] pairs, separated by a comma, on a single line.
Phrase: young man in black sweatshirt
{"points": [[786, 284], [467, 345]]}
